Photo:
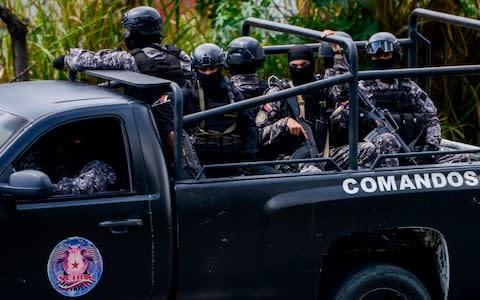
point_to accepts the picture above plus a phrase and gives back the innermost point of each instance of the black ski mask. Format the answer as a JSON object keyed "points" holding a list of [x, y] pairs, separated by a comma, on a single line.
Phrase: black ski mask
{"points": [[210, 81], [134, 41], [381, 64], [305, 74]]}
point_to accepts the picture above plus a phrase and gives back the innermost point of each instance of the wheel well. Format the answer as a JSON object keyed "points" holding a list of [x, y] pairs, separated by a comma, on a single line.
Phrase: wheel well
{"points": [[422, 251]]}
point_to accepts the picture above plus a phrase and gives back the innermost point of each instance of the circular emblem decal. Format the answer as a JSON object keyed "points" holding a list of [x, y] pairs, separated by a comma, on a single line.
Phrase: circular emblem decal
{"points": [[74, 267]]}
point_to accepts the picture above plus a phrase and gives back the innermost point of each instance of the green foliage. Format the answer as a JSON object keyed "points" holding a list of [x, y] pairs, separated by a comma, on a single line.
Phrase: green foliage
{"points": [[346, 16], [56, 26], [469, 9]]}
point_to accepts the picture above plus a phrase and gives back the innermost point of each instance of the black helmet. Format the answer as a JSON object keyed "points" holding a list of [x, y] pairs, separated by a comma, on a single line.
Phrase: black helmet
{"points": [[385, 42], [143, 20], [245, 50], [208, 55], [325, 50]]}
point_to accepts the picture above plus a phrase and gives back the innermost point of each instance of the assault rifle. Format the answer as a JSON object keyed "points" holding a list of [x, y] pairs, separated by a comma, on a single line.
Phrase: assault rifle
{"points": [[383, 120], [310, 144]]}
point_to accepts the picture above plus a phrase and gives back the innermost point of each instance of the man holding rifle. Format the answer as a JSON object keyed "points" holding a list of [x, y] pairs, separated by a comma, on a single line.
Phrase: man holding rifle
{"points": [[298, 126], [408, 111]]}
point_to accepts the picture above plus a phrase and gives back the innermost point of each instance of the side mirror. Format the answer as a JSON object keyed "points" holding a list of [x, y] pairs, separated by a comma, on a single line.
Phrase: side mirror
{"points": [[27, 184]]}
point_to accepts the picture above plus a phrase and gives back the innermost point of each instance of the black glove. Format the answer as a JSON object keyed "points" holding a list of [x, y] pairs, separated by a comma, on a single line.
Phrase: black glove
{"points": [[427, 159], [429, 147], [365, 119], [59, 62]]}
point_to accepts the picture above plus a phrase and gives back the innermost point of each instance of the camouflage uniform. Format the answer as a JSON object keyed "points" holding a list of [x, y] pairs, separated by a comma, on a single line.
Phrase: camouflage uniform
{"points": [[272, 120], [273, 133], [249, 85], [95, 176], [109, 59], [159, 60], [386, 143]]}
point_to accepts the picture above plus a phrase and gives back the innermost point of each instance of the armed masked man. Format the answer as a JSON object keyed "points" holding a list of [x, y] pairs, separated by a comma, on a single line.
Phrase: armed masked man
{"points": [[227, 138], [142, 27], [281, 124], [284, 125], [411, 108]]}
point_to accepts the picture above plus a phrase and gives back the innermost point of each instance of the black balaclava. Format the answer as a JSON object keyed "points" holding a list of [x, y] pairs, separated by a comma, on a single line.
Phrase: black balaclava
{"points": [[381, 64], [134, 41], [248, 68], [211, 81], [305, 74]]}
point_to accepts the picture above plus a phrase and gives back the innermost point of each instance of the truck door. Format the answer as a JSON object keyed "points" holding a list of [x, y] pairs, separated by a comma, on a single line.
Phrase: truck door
{"points": [[96, 245]]}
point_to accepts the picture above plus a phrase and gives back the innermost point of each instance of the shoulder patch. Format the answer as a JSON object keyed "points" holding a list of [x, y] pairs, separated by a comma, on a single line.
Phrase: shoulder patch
{"points": [[162, 100], [267, 107], [261, 117]]}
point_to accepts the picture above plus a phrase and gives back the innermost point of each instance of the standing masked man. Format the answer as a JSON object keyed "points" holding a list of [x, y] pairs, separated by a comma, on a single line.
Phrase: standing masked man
{"points": [[142, 27]]}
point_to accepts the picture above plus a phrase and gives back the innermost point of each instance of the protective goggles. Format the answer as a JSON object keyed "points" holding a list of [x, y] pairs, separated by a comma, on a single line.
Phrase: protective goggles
{"points": [[376, 46]]}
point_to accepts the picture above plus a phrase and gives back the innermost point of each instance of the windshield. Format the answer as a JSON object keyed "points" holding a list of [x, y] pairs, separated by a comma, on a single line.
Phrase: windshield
{"points": [[9, 125]]}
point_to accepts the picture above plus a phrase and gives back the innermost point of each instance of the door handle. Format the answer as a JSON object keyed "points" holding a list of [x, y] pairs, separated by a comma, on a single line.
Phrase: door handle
{"points": [[120, 226]]}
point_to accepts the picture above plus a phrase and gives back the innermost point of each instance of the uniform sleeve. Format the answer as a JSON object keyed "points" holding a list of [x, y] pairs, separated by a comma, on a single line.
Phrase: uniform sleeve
{"points": [[337, 92], [428, 111], [340, 66], [185, 62], [79, 59], [95, 176], [271, 121]]}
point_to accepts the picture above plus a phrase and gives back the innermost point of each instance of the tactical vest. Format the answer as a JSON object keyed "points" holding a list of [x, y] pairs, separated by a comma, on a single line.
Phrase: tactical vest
{"points": [[160, 61], [215, 139], [164, 62], [402, 108], [259, 89], [225, 123]]}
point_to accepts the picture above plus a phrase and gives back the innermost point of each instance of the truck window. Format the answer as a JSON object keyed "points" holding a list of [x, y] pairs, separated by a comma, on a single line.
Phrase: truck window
{"points": [[9, 125], [81, 157]]}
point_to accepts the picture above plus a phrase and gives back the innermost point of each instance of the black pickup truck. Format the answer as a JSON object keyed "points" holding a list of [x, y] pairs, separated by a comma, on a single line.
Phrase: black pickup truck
{"points": [[377, 233]]}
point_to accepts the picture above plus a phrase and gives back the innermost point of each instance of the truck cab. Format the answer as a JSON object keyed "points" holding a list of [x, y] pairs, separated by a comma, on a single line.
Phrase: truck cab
{"points": [[53, 127]]}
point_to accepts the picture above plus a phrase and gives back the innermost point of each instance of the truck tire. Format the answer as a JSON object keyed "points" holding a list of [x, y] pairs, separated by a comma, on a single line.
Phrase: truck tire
{"points": [[381, 281]]}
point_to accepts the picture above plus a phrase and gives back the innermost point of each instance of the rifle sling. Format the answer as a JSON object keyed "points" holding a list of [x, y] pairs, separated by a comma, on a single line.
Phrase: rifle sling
{"points": [[300, 102]]}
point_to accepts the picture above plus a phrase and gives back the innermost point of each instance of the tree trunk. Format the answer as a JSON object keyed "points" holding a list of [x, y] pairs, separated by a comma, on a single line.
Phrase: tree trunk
{"points": [[18, 33]]}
